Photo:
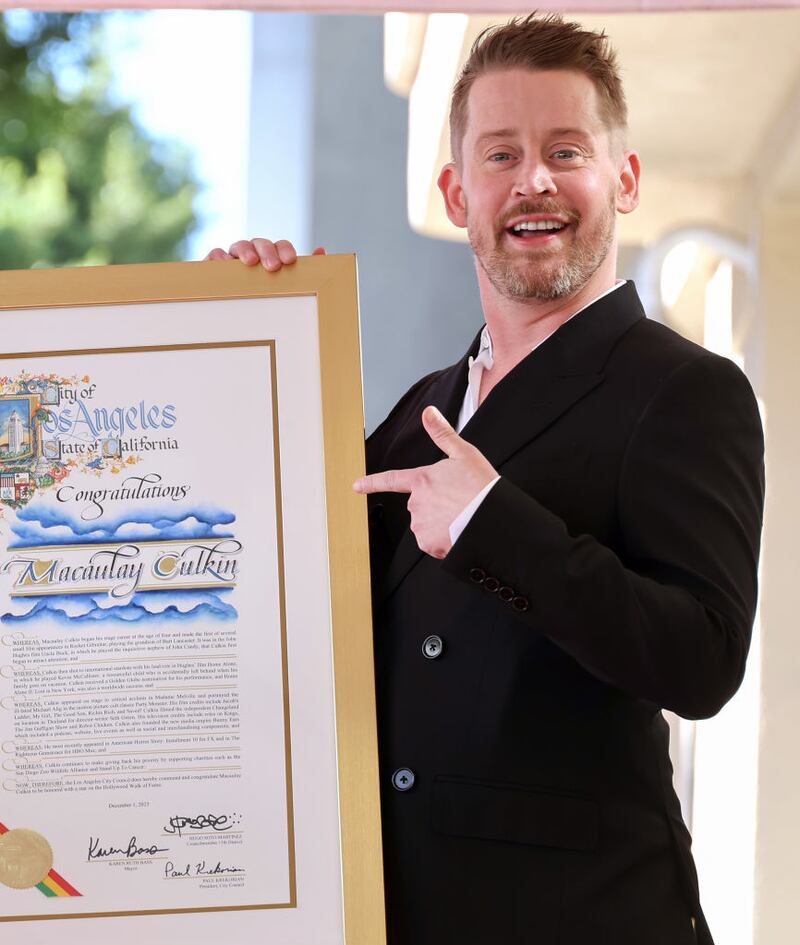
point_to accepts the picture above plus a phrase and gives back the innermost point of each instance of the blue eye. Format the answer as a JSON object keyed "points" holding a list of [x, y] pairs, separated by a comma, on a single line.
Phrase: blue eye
{"points": [[568, 152], [499, 156]]}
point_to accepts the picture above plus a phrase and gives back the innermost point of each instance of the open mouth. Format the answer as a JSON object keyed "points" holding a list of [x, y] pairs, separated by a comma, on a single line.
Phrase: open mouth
{"points": [[536, 229]]}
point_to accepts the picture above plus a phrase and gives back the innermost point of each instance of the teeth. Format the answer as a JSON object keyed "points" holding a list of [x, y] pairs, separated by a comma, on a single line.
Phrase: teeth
{"points": [[538, 225]]}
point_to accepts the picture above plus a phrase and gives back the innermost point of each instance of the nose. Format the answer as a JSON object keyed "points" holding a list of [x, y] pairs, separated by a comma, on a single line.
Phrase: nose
{"points": [[534, 178]]}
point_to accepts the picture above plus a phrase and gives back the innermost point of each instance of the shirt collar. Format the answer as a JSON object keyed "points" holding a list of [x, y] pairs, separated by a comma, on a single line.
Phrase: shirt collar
{"points": [[485, 355]]}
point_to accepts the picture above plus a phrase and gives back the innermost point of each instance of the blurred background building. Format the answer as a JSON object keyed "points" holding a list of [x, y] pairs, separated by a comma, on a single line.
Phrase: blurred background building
{"points": [[144, 137]]}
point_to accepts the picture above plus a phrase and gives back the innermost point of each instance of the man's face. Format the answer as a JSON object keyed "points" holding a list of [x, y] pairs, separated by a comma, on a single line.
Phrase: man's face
{"points": [[539, 182]]}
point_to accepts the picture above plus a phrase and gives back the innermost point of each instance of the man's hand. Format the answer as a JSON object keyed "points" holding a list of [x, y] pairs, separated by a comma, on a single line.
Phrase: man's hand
{"points": [[271, 255], [438, 493]]}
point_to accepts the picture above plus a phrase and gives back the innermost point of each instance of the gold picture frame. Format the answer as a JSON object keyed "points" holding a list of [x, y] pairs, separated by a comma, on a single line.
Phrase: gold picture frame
{"points": [[332, 282]]}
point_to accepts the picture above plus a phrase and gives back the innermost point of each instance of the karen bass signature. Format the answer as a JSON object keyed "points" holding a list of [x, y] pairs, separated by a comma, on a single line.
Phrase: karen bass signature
{"points": [[131, 852]]}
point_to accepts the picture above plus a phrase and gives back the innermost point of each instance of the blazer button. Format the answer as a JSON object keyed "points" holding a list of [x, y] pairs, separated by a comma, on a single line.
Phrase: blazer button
{"points": [[432, 647], [506, 593], [521, 604], [477, 575], [403, 779], [491, 584]]}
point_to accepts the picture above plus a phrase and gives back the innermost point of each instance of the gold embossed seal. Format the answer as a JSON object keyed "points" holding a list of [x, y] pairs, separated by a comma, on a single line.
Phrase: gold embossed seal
{"points": [[25, 858]]}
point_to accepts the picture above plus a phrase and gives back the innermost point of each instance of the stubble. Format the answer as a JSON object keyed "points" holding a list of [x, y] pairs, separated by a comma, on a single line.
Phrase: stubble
{"points": [[545, 274]]}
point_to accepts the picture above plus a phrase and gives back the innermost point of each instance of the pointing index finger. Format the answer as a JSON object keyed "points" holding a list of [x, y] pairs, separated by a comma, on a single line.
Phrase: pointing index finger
{"points": [[392, 480]]}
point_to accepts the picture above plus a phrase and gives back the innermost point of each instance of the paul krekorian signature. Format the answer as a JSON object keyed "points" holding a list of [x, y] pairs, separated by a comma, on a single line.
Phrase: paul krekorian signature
{"points": [[220, 823], [131, 852], [198, 869]]}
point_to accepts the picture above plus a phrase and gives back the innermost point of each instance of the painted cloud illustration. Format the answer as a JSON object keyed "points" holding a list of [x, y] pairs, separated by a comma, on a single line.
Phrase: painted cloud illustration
{"points": [[143, 608], [42, 524]]}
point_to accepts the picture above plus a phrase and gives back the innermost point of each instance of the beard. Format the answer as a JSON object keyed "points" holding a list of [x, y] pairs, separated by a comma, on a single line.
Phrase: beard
{"points": [[545, 273]]}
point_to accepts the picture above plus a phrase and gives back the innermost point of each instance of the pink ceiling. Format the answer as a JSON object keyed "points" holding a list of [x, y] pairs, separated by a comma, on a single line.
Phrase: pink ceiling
{"points": [[420, 6]]}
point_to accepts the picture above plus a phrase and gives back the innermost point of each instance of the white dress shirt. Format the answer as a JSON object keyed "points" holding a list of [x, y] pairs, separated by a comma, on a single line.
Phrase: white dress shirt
{"points": [[477, 365]]}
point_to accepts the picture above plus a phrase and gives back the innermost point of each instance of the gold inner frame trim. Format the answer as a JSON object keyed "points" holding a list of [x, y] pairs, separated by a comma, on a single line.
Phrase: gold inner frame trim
{"points": [[269, 344]]}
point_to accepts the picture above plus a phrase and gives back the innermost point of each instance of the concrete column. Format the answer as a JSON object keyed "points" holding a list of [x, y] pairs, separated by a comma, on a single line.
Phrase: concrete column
{"points": [[777, 872], [419, 296], [281, 132]]}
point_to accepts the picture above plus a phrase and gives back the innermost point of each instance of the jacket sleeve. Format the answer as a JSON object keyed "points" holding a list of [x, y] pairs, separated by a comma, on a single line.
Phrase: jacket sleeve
{"points": [[667, 613]]}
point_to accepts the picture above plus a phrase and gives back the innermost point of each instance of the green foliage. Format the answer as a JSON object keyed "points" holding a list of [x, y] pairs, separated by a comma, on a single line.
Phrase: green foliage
{"points": [[80, 182]]}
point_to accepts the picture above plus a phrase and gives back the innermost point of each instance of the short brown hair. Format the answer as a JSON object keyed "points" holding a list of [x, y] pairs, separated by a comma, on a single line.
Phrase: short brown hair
{"points": [[540, 42]]}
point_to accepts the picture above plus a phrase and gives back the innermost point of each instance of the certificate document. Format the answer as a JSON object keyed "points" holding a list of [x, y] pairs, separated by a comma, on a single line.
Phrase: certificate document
{"points": [[173, 748]]}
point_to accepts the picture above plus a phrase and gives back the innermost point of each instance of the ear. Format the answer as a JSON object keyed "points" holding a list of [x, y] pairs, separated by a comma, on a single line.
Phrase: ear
{"points": [[455, 203], [628, 183]]}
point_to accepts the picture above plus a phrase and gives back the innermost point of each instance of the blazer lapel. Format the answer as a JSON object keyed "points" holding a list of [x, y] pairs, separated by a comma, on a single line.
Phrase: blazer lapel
{"points": [[418, 449], [518, 413], [414, 447], [543, 386]]}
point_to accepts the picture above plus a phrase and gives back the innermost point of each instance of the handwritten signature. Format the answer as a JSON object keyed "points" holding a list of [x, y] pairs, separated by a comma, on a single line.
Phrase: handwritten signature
{"points": [[216, 822], [131, 852], [198, 869]]}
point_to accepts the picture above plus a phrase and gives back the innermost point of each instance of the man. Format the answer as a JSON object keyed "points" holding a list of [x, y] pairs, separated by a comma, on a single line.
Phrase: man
{"points": [[581, 556]]}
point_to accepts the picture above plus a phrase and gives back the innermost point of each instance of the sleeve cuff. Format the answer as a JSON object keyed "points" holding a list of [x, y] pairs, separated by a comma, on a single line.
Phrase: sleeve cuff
{"points": [[462, 520]]}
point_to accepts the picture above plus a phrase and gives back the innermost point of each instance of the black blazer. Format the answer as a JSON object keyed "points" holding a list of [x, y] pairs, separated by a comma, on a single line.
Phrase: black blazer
{"points": [[609, 574]]}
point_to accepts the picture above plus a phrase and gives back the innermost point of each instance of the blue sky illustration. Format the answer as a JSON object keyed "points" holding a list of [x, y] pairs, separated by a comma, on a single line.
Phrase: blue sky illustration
{"points": [[76, 610], [41, 524], [7, 407]]}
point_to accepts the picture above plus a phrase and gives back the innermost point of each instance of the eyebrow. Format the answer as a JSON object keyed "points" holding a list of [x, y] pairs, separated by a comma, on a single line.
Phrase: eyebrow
{"points": [[510, 132], [489, 135], [570, 132]]}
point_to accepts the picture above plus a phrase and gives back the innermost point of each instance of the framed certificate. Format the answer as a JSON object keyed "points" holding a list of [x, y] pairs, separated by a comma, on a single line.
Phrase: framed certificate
{"points": [[187, 720]]}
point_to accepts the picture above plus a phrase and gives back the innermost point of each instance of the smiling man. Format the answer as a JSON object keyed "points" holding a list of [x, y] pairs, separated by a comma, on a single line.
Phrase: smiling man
{"points": [[558, 176], [564, 532]]}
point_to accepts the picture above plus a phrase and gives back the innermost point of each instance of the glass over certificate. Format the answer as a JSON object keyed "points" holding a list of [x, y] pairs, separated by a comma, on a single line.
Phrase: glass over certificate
{"points": [[187, 735]]}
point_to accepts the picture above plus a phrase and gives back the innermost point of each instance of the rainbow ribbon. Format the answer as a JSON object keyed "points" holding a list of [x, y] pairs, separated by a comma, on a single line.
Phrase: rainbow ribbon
{"points": [[53, 884]]}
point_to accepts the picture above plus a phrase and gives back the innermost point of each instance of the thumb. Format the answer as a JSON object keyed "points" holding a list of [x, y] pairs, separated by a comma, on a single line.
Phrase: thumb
{"points": [[442, 434]]}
